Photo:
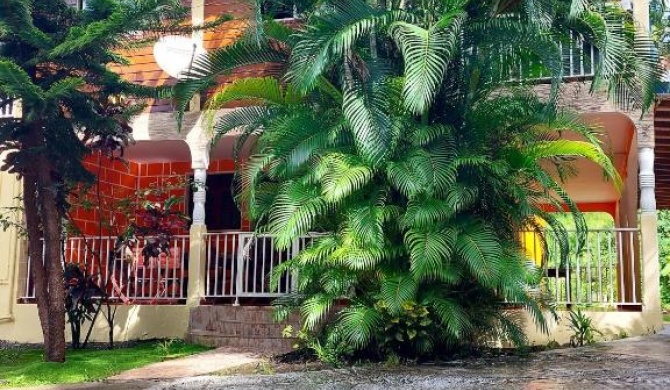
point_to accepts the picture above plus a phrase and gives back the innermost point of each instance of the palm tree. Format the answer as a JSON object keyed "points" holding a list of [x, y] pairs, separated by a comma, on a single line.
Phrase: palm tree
{"points": [[397, 134]]}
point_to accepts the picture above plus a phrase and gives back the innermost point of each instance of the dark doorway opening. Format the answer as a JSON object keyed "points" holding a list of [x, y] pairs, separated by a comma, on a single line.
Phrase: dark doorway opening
{"points": [[221, 212]]}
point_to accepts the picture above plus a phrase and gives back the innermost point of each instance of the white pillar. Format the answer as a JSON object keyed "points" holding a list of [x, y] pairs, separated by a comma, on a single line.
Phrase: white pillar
{"points": [[651, 295], [197, 261], [641, 14], [647, 180], [198, 142], [199, 195]]}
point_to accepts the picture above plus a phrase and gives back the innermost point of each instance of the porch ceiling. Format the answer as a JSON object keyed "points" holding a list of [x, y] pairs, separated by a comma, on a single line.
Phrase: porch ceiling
{"points": [[590, 185], [179, 151], [158, 151]]}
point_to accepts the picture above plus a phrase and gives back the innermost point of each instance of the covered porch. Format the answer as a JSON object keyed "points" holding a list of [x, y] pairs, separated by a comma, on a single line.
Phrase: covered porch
{"points": [[219, 260], [216, 277]]}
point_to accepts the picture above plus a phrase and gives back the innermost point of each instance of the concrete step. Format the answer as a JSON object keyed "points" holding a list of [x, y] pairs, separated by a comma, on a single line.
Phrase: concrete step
{"points": [[249, 328], [264, 346]]}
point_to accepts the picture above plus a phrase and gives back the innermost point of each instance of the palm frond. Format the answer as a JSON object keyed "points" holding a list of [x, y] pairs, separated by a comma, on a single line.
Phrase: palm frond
{"points": [[397, 290], [343, 175], [205, 71], [429, 249], [295, 210], [426, 54], [479, 248], [332, 32], [358, 324]]}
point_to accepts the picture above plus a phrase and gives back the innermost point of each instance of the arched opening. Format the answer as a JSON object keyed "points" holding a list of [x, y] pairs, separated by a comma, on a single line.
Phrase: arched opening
{"points": [[602, 267]]}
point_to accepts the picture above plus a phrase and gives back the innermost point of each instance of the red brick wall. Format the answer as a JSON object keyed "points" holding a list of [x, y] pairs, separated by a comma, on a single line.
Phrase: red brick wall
{"points": [[118, 181]]}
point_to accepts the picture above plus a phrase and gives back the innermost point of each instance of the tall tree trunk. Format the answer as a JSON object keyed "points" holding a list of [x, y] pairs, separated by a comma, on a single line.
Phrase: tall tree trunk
{"points": [[35, 251], [42, 211], [55, 350]]}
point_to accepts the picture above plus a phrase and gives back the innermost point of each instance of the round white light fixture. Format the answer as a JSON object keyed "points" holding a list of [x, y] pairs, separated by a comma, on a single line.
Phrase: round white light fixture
{"points": [[175, 54]]}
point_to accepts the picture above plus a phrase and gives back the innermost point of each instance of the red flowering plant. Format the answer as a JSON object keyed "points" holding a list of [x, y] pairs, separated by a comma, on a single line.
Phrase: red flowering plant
{"points": [[154, 217]]}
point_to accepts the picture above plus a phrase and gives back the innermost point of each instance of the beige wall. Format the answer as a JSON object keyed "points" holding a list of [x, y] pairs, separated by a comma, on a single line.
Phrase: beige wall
{"points": [[10, 248], [611, 324], [132, 323]]}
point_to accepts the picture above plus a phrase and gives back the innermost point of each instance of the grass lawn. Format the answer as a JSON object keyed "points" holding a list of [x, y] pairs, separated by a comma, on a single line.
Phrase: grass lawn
{"points": [[24, 367], [666, 317]]}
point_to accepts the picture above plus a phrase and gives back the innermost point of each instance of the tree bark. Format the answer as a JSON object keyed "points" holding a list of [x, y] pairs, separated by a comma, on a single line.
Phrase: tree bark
{"points": [[43, 222], [55, 350], [35, 251]]}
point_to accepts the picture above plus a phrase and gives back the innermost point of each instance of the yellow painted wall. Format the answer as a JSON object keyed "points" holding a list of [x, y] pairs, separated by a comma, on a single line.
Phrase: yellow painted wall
{"points": [[10, 248], [132, 323], [532, 246], [611, 324]]}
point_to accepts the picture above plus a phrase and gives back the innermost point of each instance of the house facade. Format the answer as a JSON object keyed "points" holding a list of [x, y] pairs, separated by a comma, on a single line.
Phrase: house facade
{"points": [[213, 286]]}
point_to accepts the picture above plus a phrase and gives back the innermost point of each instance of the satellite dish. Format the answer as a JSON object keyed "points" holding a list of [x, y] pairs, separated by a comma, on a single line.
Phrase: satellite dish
{"points": [[175, 54]]}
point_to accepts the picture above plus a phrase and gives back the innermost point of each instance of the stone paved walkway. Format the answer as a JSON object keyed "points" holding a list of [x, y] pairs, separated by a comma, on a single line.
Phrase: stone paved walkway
{"points": [[195, 365], [634, 363]]}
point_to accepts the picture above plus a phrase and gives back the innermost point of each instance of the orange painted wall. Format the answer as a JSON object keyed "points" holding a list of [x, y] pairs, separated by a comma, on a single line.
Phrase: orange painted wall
{"points": [[118, 181]]}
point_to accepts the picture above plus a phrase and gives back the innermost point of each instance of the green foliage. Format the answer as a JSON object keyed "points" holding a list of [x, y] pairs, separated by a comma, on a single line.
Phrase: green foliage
{"points": [[418, 161], [26, 367], [408, 327], [583, 331], [59, 62], [664, 255]]}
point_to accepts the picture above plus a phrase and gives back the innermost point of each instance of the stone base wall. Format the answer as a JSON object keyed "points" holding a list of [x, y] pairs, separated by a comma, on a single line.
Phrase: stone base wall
{"points": [[244, 327]]}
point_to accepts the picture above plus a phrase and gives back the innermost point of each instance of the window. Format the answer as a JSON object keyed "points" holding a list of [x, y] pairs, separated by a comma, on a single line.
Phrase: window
{"points": [[221, 212], [281, 9]]}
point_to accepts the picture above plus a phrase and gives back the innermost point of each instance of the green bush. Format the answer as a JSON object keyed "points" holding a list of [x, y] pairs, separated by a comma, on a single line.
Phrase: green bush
{"points": [[389, 135], [664, 255], [583, 331]]}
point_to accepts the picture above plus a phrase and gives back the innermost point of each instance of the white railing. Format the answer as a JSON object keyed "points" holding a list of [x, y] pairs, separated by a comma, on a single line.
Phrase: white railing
{"points": [[579, 62], [239, 265], [579, 57], [124, 273], [7, 111], [605, 272]]}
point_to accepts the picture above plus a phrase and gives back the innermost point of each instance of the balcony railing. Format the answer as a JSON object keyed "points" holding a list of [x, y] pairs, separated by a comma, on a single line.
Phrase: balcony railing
{"points": [[579, 62], [123, 273], [7, 110], [605, 272], [239, 265]]}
